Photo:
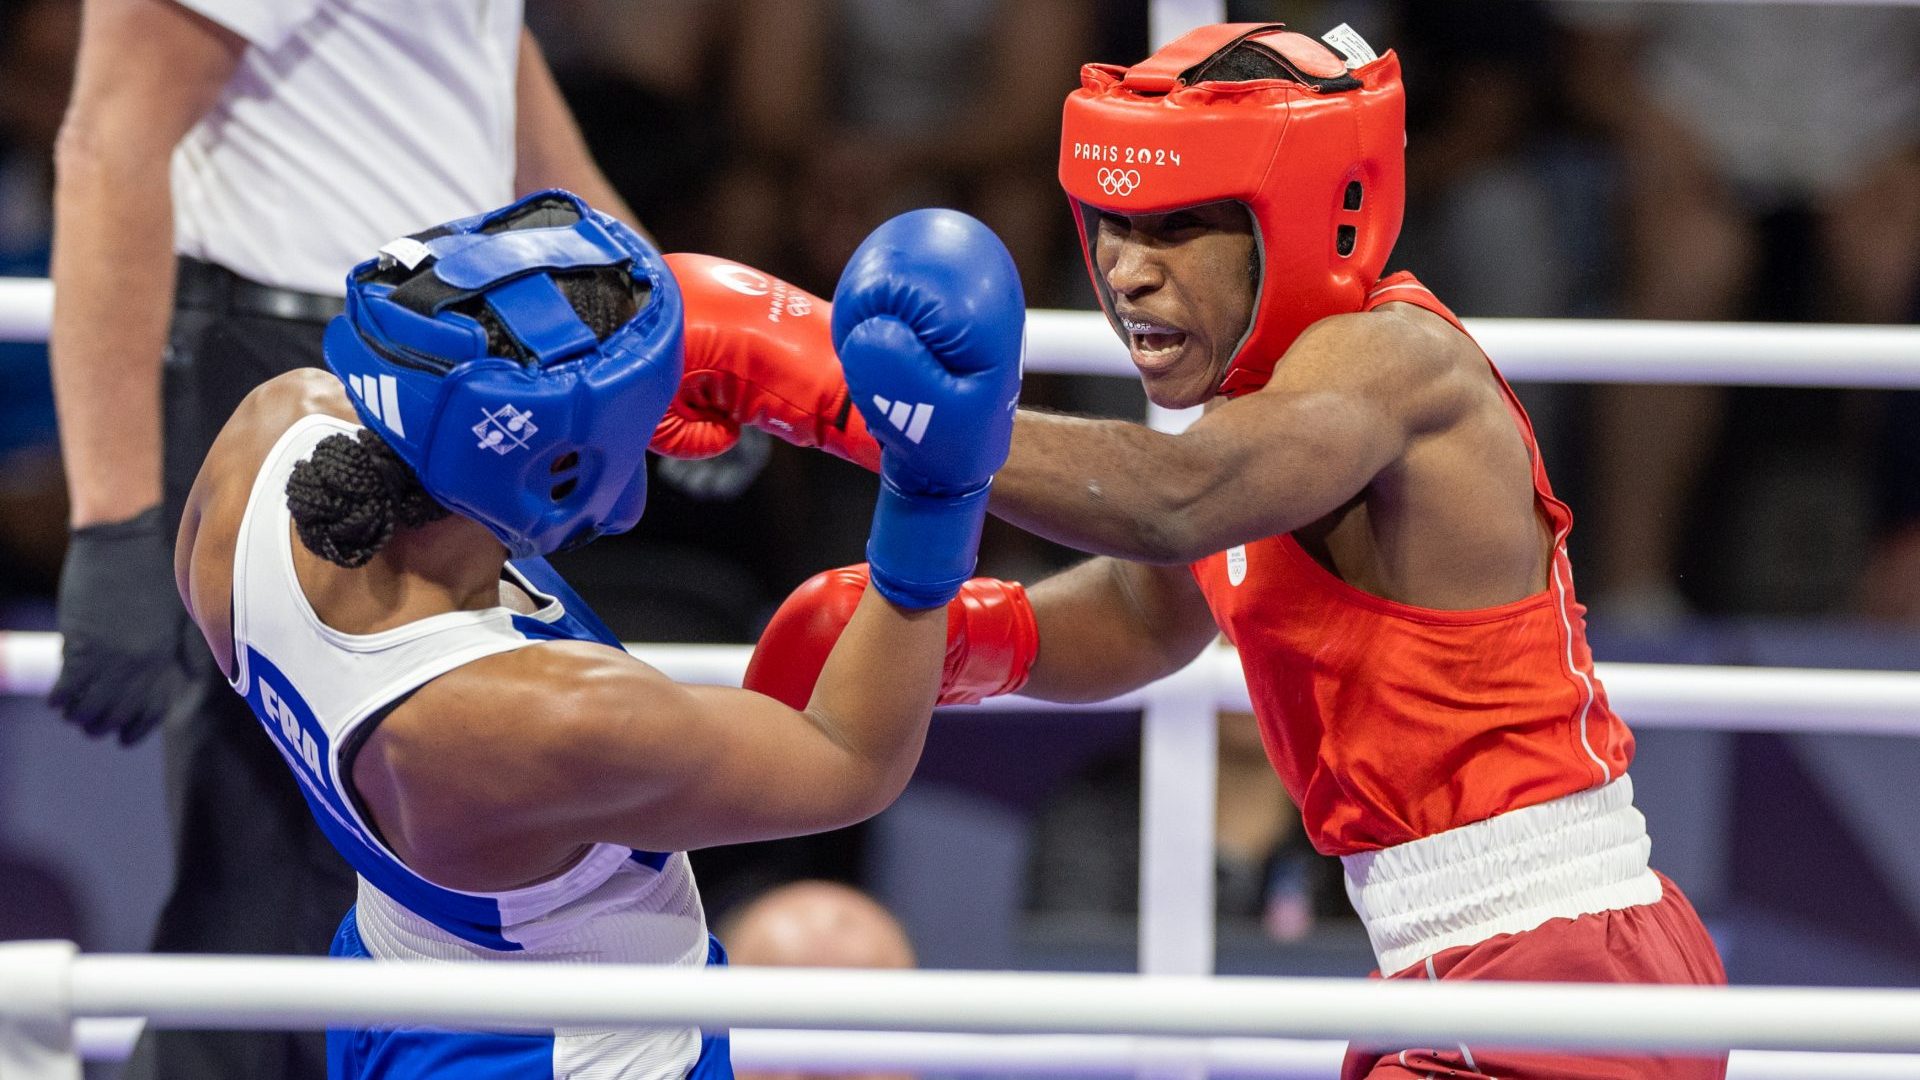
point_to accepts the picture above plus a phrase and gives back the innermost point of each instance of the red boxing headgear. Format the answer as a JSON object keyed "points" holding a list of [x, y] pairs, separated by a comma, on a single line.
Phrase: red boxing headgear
{"points": [[1318, 159]]}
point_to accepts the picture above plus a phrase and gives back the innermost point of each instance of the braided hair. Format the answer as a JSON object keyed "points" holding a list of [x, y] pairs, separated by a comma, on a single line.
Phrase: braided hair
{"points": [[351, 494]]}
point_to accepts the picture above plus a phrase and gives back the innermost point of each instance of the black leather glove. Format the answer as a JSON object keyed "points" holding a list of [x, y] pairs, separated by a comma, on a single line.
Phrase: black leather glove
{"points": [[129, 653]]}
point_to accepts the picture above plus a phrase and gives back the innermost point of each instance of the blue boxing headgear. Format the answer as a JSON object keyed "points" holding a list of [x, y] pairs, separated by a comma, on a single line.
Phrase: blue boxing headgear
{"points": [[547, 445]]}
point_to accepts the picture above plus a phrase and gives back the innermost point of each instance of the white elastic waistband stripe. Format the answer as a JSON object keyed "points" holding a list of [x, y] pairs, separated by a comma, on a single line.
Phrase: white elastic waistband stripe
{"points": [[1578, 855]]}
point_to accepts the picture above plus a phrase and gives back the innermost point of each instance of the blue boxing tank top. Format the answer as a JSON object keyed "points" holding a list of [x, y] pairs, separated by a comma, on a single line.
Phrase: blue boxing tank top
{"points": [[319, 692]]}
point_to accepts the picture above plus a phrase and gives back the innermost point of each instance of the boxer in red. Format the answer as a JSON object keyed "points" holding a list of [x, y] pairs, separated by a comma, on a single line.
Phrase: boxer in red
{"points": [[1362, 509]]}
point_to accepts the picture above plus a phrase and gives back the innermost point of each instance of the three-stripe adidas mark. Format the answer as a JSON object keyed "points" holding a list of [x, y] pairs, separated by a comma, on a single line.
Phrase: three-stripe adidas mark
{"points": [[382, 399], [906, 416]]}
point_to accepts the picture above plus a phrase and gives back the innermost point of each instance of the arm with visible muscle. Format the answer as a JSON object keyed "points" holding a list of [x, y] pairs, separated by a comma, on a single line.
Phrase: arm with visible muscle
{"points": [[607, 749], [1108, 626], [1346, 403]]}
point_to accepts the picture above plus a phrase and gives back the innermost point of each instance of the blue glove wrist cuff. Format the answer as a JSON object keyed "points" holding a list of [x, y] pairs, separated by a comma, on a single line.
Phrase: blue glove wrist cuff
{"points": [[922, 548]]}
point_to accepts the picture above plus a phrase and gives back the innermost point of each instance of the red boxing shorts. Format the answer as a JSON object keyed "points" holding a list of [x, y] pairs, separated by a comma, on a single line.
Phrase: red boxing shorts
{"points": [[1660, 942]]}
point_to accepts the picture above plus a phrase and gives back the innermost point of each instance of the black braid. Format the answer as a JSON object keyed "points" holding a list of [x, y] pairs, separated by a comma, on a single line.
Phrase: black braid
{"points": [[351, 494], [605, 298]]}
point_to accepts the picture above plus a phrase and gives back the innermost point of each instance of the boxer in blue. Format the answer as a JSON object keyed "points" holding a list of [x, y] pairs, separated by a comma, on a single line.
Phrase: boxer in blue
{"points": [[362, 551]]}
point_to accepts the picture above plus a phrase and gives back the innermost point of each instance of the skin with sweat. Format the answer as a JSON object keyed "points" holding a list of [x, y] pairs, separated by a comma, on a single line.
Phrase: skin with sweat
{"points": [[1382, 443]]}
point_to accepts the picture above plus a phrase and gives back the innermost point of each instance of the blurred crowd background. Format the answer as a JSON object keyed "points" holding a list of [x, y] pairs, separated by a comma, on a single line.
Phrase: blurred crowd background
{"points": [[1565, 159]]}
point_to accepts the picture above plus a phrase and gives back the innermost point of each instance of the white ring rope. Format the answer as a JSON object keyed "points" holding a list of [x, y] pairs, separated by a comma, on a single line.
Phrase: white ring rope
{"points": [[1528, 350], [827, 1052], [26, 307], [247, 993], [1592, 350], [1686, 696]]}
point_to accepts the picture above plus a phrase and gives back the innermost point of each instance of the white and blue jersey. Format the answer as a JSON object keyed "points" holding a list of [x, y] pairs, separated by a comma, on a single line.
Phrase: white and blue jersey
{"points": [[319, 693]]}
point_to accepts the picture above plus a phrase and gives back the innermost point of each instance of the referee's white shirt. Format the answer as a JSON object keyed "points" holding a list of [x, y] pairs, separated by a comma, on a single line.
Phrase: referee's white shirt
{"points": [[348, 123]]}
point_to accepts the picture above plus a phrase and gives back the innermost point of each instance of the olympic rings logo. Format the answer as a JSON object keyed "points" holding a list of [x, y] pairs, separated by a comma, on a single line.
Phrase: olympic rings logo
{"points": [[1118, 181]]}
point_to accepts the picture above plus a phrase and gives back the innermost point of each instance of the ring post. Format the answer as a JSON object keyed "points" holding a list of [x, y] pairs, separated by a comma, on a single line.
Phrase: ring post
{"points": [[36, 1011], [1168, 19], [1178, 736], [1179, 733]]}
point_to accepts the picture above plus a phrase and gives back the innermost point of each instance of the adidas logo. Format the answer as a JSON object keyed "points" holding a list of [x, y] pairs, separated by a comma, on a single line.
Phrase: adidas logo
{"points": [[380, 394], [908, 417]]}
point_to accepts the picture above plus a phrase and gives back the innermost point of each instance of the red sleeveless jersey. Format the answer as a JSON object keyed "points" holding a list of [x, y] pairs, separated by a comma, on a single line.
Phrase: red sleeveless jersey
{"points": [[1389, 722]]}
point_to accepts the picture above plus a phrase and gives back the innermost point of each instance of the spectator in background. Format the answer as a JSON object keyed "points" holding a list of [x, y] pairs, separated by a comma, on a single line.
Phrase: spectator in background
{"points": [[1501, 194], [37, 43], [876, 106], [815, 924], [870, 106], [1506, 196], [1890, 589], [858, 109], [265, 146], [655, 104], [1491, 231], [1263, 868], [1734, 120]]}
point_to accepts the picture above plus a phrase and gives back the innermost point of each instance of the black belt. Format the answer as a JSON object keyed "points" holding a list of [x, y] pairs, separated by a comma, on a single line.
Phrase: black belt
{"points": [[206, 286]]}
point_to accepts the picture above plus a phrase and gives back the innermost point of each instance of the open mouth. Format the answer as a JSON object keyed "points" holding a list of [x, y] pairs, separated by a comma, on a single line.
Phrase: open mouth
{"points": [[1152, 341]]}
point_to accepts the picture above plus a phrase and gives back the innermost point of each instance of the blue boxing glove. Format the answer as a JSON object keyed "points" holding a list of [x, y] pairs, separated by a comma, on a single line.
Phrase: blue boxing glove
{"points": [[930, 322]]}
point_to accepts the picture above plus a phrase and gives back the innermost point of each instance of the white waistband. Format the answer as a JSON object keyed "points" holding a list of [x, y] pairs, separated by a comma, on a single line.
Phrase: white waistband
{"points": [[1577, 855]]}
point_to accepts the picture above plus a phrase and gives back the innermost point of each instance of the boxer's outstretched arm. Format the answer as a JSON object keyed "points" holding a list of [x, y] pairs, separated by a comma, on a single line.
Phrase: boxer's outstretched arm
{"points": [[1108, 626], [739, 766], [1346, 403], [497, 773]]}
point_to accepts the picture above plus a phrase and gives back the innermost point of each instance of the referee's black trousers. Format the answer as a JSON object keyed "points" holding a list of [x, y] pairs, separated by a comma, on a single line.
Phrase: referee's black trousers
{"points": [[252, 873]]}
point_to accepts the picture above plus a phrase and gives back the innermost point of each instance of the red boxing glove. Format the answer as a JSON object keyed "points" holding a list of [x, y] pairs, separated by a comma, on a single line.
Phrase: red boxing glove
{"points": [[758, 352], [991, 638]]}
